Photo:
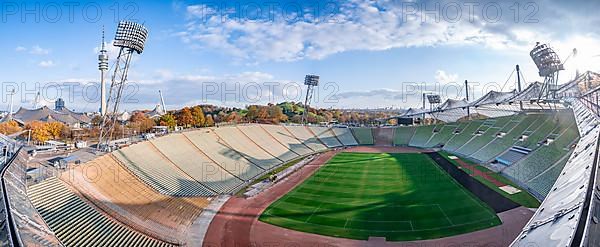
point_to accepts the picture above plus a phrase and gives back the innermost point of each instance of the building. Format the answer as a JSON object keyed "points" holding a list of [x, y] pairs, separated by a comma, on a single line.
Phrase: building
{"points": [[59, 104], [45, 114]]}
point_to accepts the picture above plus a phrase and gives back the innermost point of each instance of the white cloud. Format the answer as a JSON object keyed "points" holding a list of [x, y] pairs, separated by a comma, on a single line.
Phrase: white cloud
{"points": [[47, 64], [37, 50], [359, 25], [444, 77], [34, 50]]}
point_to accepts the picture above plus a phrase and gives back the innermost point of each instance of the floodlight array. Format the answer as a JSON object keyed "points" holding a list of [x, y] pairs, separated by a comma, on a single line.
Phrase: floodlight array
{"points": [[546, 60], [434, 99], [311, 80], [131, 35]]}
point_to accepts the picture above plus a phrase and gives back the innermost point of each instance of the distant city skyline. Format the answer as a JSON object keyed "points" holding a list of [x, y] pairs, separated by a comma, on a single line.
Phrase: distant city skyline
{"points": [[372, 54]]}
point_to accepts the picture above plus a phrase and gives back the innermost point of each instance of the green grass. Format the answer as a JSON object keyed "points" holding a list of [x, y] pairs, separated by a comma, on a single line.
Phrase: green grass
{"points": [[397, 196], [522, 198]]}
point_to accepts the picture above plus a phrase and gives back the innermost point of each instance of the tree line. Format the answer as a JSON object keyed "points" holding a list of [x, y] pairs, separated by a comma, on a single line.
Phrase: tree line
{"points": [[199, 116]]}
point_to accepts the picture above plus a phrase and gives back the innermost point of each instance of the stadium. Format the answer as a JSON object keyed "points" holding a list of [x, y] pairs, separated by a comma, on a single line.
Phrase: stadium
{"points": [[511, 167], [469, 180]]}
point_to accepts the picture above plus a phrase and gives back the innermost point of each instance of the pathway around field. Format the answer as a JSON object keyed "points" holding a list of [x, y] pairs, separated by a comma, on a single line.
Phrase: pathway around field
{"points": [[236, 224], [198, 229]]}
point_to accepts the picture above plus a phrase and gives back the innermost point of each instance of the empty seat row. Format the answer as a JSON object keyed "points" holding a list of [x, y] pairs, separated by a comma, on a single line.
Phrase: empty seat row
{"points": [[152, 167], [76, 223]]}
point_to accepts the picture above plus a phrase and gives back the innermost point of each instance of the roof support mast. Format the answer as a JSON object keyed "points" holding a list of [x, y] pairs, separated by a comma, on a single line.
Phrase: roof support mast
{"points": [[519, 85], [467, 94], [423, 119]]}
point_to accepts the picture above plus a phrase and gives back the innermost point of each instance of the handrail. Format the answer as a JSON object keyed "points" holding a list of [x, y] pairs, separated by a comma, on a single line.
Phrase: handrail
{"points": [[14, 238]]}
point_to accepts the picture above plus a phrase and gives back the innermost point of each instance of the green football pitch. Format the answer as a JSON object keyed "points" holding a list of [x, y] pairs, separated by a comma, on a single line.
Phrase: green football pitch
{"points": [[396, 196]]}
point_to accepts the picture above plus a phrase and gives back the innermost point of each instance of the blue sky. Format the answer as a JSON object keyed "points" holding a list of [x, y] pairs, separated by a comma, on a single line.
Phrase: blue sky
{"points": [[369, 50]]}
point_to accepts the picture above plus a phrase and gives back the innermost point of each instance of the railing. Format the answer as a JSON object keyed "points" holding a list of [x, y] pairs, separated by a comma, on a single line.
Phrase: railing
{"points": [[9, 225], [588, 231], [24, 225]]}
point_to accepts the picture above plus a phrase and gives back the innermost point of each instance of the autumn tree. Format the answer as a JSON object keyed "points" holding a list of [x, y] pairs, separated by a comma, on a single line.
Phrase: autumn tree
{"points": [[65, 133], [198, 116], [39, 131], [185, 118], [222, 116], [54, 129], [263, 113], [252, 113], [168, 120], [97, 121], [209, 121], [276, 114], [297, 118], [141, 122], [233, 117], [9, 127]]}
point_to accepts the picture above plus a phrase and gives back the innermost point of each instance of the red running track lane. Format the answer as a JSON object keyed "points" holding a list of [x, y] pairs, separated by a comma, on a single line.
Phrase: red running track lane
{"points": [[237, 225], [476, 172]]}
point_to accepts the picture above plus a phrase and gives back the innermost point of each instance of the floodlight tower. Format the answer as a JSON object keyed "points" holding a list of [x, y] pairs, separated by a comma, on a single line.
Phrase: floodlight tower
{"points": [[103, 67], [432, 99], [310, 81], [548, 64], [130, 37]]}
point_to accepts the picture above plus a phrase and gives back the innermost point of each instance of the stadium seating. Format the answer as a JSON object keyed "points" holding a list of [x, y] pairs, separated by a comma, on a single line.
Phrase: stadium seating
{"points": [[259, 136], [111, 187], [234, 138], [76, 223], [364, 136], [326, 136], [221, 153], [345, 136], [536, 135], [444, 133], [385, 136], [488, 134], [148, 164], [195, 163], [499, 145], [421, 136], [306, 137], [464, 136], [542, 183], [513, 155], [543, 158], [282, 135], [403, 135]]}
